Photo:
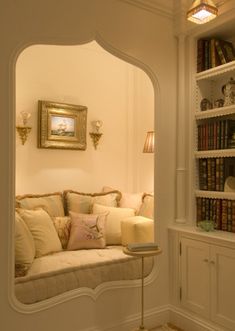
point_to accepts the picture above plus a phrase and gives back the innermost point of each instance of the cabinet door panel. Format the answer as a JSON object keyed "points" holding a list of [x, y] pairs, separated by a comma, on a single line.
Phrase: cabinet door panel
{"points": [[223, 286], [195, 276]]}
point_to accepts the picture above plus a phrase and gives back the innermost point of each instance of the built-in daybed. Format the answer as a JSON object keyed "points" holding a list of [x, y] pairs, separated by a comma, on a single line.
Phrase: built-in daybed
{"points": [[70, 240]]}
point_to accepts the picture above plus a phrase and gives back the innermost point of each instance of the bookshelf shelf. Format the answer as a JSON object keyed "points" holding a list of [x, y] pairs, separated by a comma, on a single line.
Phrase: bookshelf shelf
{"points": [[215, 153], [215, 195], [215, 73], [214, 160], [216, 112]]}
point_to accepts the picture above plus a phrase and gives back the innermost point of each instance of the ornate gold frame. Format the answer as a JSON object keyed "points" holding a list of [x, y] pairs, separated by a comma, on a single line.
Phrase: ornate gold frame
{"points": [[60, 138]]}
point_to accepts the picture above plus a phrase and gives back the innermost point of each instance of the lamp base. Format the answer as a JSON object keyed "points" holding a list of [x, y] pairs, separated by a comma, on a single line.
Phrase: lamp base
{"points": [[141, 328]]}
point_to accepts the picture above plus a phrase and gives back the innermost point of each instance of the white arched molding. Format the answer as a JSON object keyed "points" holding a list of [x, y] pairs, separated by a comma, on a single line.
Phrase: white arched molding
{"points": [[93, 294], [181, 134]]}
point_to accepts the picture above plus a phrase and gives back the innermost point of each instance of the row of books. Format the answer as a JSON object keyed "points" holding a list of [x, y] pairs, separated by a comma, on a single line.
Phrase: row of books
{"points": [[220, 211], [216, 134], [212, 52], [214, 171]]}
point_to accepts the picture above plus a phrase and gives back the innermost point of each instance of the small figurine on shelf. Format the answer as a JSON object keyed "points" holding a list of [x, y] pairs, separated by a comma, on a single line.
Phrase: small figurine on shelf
{"points": [[207, 225], [218, 103], [228, 91], [205, 104]]}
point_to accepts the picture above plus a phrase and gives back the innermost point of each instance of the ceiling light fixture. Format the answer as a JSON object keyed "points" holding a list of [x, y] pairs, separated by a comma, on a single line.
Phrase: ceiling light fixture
{"points": [[202, 11]]}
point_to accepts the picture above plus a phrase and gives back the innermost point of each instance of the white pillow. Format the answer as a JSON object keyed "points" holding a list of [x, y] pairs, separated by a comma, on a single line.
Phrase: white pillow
{"points": [[113, 224], [131, 200], [128, 200], [147, 207], [24, 243], [43, 231]]}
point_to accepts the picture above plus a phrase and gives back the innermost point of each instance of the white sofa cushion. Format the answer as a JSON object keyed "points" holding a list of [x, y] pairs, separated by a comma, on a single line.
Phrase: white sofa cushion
{"points": [[43, 231], [113, 224], [137, 229]]}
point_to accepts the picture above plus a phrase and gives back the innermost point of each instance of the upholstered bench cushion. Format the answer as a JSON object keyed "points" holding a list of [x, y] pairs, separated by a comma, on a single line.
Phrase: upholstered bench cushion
{"points": [[137, 229], [60, 272]]}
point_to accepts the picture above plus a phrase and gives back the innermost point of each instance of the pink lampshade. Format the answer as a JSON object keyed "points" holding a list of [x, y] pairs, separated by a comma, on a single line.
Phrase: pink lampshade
{"points": [[149, 143]]}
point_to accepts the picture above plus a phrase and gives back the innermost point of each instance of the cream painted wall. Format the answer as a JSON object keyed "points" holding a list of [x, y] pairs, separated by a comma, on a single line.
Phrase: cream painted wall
{"points": [[142, 37], [114, 91]]}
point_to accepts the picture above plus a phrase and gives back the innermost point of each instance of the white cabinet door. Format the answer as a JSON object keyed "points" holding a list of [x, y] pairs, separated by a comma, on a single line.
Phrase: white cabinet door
{"points": [[195, 276], [223, 286]]}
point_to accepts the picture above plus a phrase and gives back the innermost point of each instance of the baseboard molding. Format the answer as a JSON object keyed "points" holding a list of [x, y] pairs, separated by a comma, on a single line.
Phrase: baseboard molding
{"points": [[153, 318], [190, 322]]}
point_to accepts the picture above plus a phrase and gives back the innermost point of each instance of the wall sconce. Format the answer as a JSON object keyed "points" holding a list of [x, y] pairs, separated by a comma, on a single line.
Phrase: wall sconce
{"points": [[202, 11], [95, 134], [24, 130], [149, 143]]}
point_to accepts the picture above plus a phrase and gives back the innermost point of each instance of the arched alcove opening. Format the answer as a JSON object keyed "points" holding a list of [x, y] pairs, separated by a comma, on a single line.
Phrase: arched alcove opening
{"points": [[125, 105]]}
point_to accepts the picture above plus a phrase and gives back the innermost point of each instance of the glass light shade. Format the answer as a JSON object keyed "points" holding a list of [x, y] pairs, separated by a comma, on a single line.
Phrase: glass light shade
{"points": [[96, 125], [202, 11], [25, 116], [149, 143]]}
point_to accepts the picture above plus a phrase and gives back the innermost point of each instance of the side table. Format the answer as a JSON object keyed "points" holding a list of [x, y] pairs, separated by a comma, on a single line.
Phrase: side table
{"points": [[142, 254]]}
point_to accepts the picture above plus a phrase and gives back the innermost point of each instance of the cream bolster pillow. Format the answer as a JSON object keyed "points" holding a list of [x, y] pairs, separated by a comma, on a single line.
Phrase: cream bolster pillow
{"points": [[113, 223], [137, 229], [43, 231]]}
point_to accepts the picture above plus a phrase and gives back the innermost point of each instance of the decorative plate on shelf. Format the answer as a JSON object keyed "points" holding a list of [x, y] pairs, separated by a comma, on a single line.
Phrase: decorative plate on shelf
{"points": [[229, 185]]}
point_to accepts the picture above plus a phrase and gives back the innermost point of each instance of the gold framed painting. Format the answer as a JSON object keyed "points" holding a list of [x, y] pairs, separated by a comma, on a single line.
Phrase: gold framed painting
{"points": [[61, 126]]}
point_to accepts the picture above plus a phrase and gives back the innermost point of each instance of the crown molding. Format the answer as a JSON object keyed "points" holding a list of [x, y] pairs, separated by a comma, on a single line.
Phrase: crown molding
{"points": [[157, 7]]}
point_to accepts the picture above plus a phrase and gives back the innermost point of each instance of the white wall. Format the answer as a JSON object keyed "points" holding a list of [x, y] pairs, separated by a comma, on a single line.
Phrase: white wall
{"points": [[114, 91], [143, 37]]}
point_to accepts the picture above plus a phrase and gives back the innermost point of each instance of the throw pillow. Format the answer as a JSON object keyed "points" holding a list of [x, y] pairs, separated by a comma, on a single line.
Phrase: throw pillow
{"points": [[43, 231], [24, 247], [63, 225], [87, 231], [114, 218], [83, 202], [147, 207], [128, 200], [52, 202]]}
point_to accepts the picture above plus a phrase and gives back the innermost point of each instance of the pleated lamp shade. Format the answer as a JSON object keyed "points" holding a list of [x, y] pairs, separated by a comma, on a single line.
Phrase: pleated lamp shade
{"points": [[149, 143]]}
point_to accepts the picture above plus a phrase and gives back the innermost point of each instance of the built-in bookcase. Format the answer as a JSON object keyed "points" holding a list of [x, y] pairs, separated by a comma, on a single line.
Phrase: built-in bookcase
{"points": [[215, 148]]}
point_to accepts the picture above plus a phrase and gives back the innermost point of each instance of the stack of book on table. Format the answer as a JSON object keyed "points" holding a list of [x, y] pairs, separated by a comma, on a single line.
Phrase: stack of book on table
{"points": [[140, 247]]}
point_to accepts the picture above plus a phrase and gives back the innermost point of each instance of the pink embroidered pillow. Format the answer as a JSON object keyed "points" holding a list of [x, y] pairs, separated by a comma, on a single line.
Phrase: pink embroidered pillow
{"points": [[87, 231]]}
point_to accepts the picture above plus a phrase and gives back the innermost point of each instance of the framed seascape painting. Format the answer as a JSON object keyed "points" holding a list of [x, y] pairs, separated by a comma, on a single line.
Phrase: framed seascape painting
{"points": [[61, 126]]}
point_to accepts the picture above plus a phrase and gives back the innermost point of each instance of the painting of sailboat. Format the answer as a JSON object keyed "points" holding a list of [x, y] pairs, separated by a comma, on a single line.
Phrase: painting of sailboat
{"points": [[62, 126]]}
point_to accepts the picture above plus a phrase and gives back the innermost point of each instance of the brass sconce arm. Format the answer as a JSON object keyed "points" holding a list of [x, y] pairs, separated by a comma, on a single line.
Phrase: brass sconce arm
{"points": [[95, 138], [23, 132], [96, 135]]}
